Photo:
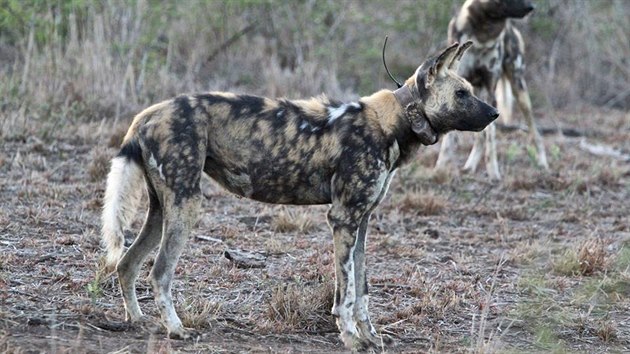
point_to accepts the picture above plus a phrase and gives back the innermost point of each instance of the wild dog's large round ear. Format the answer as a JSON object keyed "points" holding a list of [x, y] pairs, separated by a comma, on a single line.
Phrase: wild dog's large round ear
{"points": [[458, 55], [420, 125], [441, 63]]}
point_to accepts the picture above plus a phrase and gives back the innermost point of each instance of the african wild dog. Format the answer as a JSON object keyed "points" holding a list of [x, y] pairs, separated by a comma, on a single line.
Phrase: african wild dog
{"points": [[315, 151], [496, 57]]}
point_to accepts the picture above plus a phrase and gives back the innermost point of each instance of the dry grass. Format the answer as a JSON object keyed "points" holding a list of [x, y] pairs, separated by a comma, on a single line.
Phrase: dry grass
{"points": [[301, 307], [592, 256], [199, 312], [293, 221], [99, 164], [538, 180], [607, 331], [422, 203], [588, 259]]}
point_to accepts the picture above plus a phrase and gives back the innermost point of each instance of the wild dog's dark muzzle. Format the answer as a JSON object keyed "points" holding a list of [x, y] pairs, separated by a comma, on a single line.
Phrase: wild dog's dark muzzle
{"points": [[483, 116], [488, 115]]}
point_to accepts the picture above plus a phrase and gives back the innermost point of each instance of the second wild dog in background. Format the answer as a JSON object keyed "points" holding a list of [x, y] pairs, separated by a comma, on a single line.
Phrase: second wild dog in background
{"points": [[279, 151], [495, 63]]}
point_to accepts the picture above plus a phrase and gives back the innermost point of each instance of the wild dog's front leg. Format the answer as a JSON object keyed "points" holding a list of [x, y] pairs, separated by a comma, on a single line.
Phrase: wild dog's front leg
{"points": [[354, 198], [361, 314], [179, 218], [492, 163], [344, 227], [447, 151], [476, 153]]}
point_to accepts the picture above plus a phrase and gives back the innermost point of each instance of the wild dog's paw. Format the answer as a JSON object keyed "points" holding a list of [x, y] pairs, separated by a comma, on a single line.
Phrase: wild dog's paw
{"points": [[183, 334], [371, 341], [367, 343], [147, 324]]}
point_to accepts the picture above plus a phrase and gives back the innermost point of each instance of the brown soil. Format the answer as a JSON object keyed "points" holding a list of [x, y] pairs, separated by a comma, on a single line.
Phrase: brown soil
{"points": [[538, 262]]}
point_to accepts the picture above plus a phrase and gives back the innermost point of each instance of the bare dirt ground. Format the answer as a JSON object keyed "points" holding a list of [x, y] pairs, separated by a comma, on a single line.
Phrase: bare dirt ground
{"points": [[538, 262]]}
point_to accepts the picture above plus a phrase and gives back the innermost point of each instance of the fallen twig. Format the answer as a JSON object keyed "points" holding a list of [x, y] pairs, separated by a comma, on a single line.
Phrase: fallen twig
{"points": [[603, 150], [244, 259], [208, 238], [570, 132]]}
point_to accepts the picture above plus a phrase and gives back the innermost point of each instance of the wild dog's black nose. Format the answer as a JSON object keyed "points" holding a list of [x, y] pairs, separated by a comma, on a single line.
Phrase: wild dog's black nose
{"points": [[530, 7], [495, 115]]}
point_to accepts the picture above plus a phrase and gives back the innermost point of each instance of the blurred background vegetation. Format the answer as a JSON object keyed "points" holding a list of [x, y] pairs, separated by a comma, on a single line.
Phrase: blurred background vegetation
{"points": [[79, 60]]}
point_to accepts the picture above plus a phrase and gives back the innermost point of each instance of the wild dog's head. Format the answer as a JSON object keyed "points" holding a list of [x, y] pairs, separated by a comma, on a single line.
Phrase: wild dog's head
{"points": [[445, 99], [501, 9]]}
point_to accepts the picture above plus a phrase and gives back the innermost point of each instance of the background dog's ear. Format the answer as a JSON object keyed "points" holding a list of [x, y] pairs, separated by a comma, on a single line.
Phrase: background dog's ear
{"points": [[458, 56], [441, 63], [420, 125]]}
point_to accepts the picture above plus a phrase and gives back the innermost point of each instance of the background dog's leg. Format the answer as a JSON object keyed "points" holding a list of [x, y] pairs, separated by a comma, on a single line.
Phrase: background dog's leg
{"points": [[476, 153], [492, 164], [490, 135], [505, 99], [447, 148], [525, 104], [132, 261], [179, 218]]}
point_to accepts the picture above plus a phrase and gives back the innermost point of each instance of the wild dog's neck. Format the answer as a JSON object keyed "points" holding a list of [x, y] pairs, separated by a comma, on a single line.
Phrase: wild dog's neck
{"points": [[390, 111]]}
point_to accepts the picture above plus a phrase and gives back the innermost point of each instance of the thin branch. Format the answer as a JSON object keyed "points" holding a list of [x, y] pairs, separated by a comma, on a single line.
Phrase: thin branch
{"points": [[235, 37]]}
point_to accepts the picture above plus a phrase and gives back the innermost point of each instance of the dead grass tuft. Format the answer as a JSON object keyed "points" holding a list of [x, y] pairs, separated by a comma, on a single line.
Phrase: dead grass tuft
{"points": [[198, 313], [590, 258], [301, 307], [567, 263], [607, 331], [540, 180], [607, 178], [293, 221], [99, 164], [422, 203]]}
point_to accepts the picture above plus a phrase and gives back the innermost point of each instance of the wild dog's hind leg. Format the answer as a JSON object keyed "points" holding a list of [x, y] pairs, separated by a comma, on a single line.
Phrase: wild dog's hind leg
{"points": [[179, 217], [131, 263], [519, 88]]}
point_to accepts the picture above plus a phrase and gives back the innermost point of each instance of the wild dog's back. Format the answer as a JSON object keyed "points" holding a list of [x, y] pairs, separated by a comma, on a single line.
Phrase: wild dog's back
{"points": [[278, 151]]}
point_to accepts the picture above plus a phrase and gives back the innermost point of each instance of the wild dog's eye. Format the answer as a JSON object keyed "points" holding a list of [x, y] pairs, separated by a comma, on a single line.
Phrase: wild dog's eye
{"points": [[461, 93]]}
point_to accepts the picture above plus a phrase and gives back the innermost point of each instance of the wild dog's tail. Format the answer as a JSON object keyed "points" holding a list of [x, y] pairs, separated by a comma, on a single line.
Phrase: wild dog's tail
{"points": [[124, 186], [505, 99]]}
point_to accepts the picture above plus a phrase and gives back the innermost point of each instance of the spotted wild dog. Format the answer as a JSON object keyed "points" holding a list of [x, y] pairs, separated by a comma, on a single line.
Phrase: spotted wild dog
{"points": [[494, 64], [316, 151]]}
